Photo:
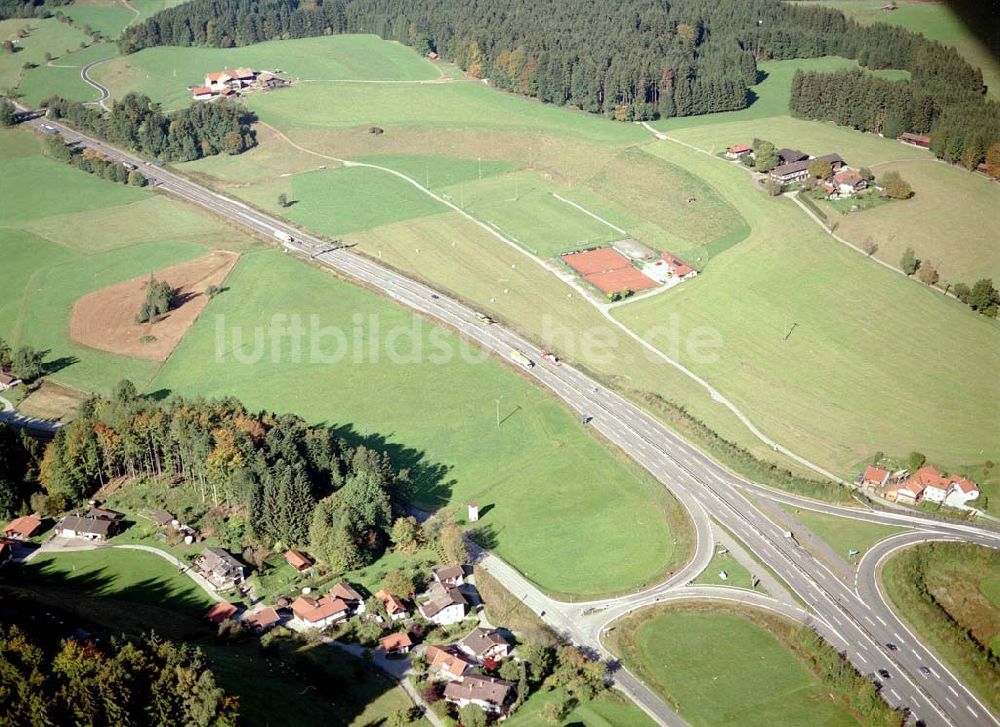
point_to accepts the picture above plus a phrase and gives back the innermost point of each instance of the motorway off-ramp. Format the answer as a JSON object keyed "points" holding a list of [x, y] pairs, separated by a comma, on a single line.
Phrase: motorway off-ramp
{"points": [[855, 619]]}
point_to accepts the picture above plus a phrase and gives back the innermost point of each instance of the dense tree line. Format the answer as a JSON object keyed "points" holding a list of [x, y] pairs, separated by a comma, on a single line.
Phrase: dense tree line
{"points": [[19, 455], [288, 481], [24, 362], [28, 8], [634, 59], [963, 125], [92, 162], [137, 123], [149, 682]]}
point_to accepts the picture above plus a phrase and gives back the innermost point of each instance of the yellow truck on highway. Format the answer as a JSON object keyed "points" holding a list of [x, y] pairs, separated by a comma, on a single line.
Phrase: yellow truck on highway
{"points": [[520, 359]]}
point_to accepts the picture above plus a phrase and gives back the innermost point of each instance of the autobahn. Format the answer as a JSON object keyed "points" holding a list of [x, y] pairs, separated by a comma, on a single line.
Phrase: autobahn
{"points": [[856, 620]]}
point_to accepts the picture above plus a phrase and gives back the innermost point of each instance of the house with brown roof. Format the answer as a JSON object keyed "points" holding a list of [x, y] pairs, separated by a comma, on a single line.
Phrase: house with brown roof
{"points": [[738, 150], [88, 528], [442, 605], [848, 182], [321, 612], [8, 381], [202, 93], [921, 140], [220, 569], [298, 560], [873, 477], [22, 528], [489, 694], [449, 575], [344, 591], [162, 518], [220, 612], [678, 268], [794, 171], [448, 662], [399, 643], [482, 644], [787, 156], [907, 492], [394, 605], [261, 620], [216, 81]]}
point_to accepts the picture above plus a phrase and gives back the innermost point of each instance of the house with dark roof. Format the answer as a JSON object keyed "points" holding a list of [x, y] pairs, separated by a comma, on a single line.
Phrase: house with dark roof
{"points": [[88, 528], [347, 594], [220, 569], [489, 694], [449, 575], [794, 171], [22, 528], [442, 604], [482, 644], [787, 156], [162, 518]]}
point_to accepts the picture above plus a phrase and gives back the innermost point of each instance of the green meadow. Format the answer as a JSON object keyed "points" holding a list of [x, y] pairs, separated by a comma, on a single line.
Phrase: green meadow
{"points": [[553, 498], [724, 667]]}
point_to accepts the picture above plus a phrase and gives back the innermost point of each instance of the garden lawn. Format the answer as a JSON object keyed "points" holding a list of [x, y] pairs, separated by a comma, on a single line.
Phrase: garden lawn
{"points": [[951, 221], [770, 96], [835, 387], [958, 616], [553, 498], [844, 533], [936, 21], [721, 668], [164, 73], [124, 575]]}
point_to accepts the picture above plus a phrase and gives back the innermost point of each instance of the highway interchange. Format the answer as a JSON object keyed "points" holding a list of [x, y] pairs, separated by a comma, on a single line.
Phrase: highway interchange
{"points": [[855, 618]]}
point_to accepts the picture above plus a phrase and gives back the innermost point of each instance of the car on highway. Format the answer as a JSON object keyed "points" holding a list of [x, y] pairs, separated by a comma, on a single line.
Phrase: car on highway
{"points": [[484, 318], [884, 673], [891, 646], [925, 671], [551, 358]]}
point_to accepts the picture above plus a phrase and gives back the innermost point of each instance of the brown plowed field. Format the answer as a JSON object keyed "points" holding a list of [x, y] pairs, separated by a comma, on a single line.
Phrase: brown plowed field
{"points": [[105, 319]]}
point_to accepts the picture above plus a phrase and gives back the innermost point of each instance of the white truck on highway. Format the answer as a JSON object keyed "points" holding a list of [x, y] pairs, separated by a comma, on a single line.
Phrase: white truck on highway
{"points": [[520, 359], [283, 236]]}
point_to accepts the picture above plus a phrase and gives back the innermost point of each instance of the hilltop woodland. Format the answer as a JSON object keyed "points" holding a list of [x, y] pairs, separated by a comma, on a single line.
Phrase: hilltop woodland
{"points": [[152, 682], [29, 8], [633, 60], [137, 123], [275, 479]]}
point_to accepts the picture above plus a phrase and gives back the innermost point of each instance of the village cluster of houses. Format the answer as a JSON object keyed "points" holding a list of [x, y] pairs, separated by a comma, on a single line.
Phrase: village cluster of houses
{"points": [[793, 166], [927, 484], [230, 83]]}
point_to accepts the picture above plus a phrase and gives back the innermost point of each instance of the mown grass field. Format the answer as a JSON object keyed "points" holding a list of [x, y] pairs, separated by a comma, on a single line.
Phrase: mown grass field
{"points": [[64, 233], [842, 533], [934, 20], [951, 221], [62, 77], [958, 615], [736, 575], [557, 498], [849, 356], [723, 668], [44, 36], [165, 73]]}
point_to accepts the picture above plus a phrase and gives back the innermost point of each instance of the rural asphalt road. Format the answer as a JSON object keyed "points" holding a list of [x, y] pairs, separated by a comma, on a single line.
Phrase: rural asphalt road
{"points": [[853, 619]]}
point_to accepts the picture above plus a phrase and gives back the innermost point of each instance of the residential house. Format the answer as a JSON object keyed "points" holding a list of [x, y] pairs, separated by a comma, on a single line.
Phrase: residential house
{"points": [[320, 612], [399, 643], [7, 381], [738, 150], [449, 575], [22, 528], [394, 606], [298, 560], [220, 569], [348, 595], [268, 81], [102, 513], [241, 77], [483, 644], [442, 605], [848, 182], [220, 612], [202, 93], [89, 528], [678, 268], [216, 81], [447, 662], [794, 171], [262, 620], [873, 477], [489, 694], [961, 492], [907, 492]]}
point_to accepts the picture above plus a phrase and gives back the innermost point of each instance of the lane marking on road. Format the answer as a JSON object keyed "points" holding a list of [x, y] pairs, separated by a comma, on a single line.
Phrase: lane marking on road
{"points": [[971, 711], [895, 695], [952, 690], [881, 620], [869, 621], [898, 637], [862, 657], [948, 700]]}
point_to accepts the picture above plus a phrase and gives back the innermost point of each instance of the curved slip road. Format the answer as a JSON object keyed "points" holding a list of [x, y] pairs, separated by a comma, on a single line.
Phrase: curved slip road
{"points": [[839, 612]]}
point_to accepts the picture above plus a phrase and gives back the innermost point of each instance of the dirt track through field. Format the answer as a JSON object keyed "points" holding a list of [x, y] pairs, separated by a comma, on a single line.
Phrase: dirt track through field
{"points": [[104, 319]]}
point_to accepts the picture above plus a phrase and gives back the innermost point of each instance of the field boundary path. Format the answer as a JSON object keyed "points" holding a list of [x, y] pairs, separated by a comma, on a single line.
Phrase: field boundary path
{"points": [[700, 483], [103, 90]]}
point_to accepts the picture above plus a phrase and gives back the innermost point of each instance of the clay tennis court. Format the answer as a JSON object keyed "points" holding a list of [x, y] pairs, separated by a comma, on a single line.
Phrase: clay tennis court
{"points": [[105, 319], [609, 270]]}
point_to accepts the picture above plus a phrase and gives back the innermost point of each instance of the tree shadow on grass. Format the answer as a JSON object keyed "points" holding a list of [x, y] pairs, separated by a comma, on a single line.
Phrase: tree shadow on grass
{"points": [[58, 364]]}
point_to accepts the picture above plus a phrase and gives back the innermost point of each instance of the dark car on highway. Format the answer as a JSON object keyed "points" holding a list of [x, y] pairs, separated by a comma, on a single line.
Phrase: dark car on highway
{"points": [[884, 673]]}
